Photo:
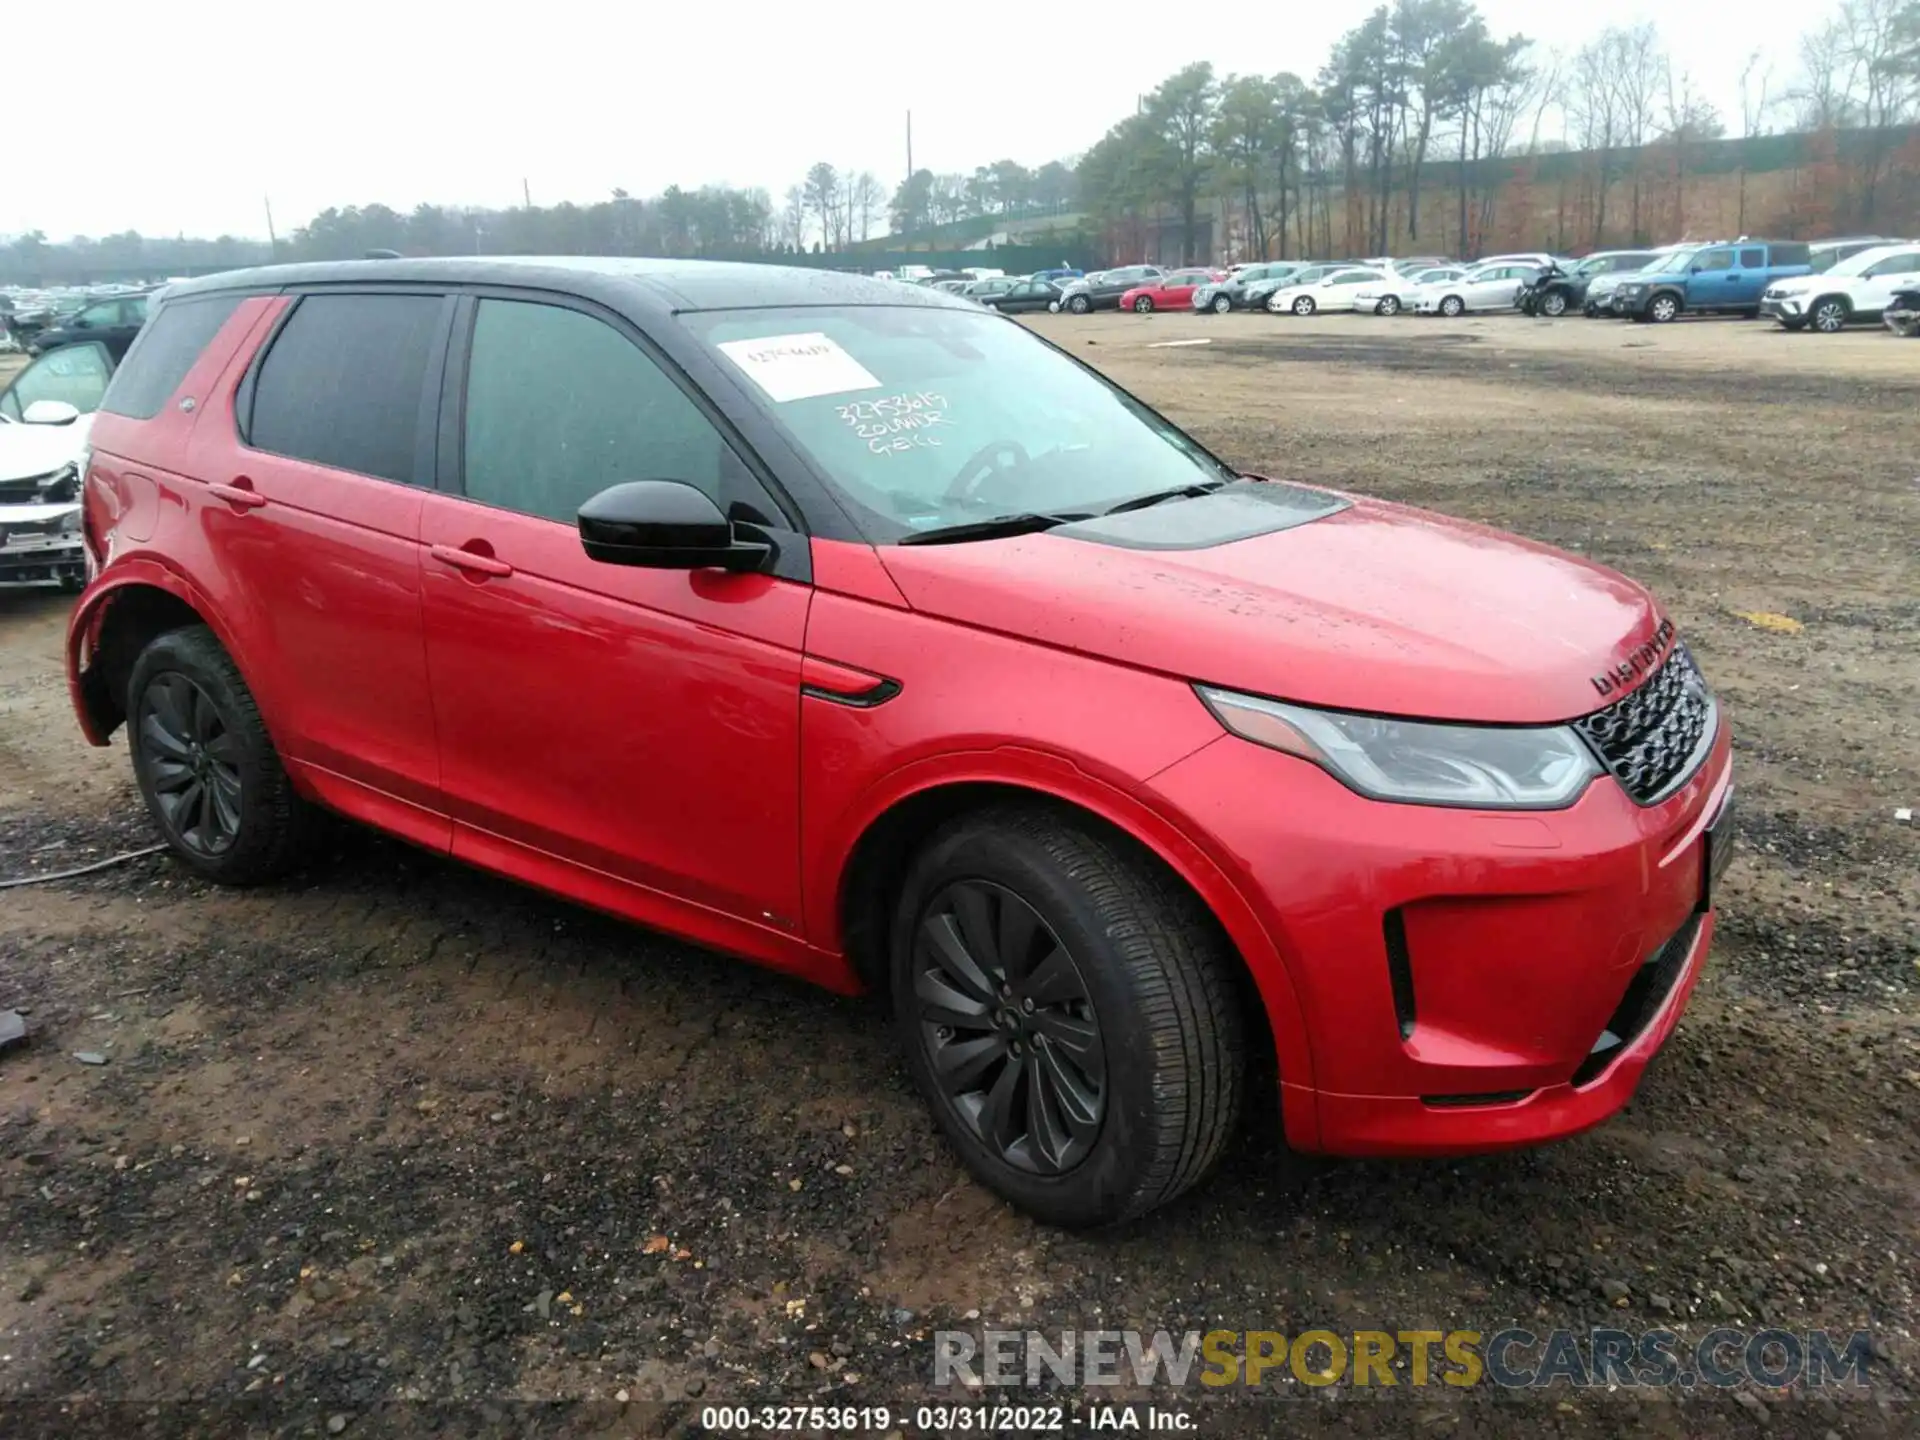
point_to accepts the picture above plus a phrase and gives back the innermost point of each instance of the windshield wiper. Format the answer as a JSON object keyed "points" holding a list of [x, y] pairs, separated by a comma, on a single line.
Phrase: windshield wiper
{"points": [[1183, 492], [1000, 526]]}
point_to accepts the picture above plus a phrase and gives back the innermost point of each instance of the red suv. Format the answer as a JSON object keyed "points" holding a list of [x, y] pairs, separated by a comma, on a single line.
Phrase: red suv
{"points": [[853, 629]]}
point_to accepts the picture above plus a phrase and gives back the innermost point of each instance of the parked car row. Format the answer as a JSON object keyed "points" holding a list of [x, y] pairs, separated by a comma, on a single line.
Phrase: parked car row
{"points": [[1822, 285]]}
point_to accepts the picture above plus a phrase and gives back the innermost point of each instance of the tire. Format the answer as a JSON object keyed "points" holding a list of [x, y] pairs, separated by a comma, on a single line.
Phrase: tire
{"points": [[1222, 304], [1663, 309], [1143, 305], [1304, 305], [1079, 304], [1453, 307], [1786, 324], [1143, 986], [1389, 305], [1553, 304], [189, 714], [1828, 315]]}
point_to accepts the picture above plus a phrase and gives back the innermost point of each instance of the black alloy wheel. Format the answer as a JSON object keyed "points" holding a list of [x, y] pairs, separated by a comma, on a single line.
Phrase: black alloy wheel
{"points": [[193, 764], [1009, 1027]]}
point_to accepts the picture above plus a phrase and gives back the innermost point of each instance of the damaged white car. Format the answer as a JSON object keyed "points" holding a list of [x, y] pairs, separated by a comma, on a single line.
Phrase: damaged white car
{"points": [[46, 415]]}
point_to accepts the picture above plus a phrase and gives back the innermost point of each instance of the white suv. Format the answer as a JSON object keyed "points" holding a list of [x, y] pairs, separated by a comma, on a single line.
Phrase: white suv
{"points": [[1857, 288]]}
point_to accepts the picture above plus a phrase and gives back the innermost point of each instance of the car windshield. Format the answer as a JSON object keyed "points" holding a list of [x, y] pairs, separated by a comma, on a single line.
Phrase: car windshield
{"points": [[1677, 260], [926, 417]]}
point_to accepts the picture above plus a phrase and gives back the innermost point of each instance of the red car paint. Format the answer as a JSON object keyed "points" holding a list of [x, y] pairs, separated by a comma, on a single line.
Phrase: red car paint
{"points": [[1172, 292], [393, 636]]}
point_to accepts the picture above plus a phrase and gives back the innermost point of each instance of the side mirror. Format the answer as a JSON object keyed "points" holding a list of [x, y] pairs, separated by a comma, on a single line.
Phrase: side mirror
{"points": [[665, 525], [50, 412]]}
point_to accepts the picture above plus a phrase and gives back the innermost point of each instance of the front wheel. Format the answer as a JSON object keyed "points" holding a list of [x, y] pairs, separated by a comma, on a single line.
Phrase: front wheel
{"points": [[1222, 304], [1142, 304], [1553, 304], [1079, 304], [1304, 305], [1067, 1009], [205, 765], [1452, 307], [1663, 310], [1828, 316]]}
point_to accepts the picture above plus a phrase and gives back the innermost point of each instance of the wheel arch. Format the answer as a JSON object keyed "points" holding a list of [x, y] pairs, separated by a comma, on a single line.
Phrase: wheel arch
{"points": [[874, 863], [113, 623], [1846, 301]]}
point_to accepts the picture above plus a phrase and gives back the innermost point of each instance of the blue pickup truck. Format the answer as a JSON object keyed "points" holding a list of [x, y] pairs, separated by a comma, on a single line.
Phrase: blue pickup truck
{"points": [[1710, 279]]}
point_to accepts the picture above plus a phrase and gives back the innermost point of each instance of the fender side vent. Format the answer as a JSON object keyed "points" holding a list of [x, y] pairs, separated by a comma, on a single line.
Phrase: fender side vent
{"points": [[1462, 1102], [1399, 971]]}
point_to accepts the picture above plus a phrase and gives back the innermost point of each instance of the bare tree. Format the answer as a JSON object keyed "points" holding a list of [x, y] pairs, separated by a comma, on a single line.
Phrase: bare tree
{"points": [[1756, 77], [1640, 71], [866, 199], [1883, 48], [822, 191], [793, 219], [1824, 97], [1593, 105]]}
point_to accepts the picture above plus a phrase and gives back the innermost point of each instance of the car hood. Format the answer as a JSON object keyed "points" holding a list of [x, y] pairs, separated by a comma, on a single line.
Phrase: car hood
{"points": [[30, 450], [1373, 607]]}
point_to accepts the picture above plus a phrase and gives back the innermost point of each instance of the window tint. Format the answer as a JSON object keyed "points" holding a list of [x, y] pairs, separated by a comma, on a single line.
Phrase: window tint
{"points": [[342, 384], [1897, 265], [1755, 259], [165, 351], [76, 374], [1715, 260], [561, 405], [1795, 253], [107, 312]]}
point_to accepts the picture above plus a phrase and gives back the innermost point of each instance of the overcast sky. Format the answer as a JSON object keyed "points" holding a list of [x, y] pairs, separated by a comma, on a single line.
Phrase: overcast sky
{"points": [[185, 127]]}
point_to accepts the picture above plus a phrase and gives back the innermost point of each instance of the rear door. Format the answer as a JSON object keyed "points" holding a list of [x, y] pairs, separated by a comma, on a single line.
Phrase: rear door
{"points": [[1873, 291], [311, 512], [595, 719]]}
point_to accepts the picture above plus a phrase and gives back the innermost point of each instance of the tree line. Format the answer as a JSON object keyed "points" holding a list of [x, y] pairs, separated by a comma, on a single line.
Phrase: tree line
{"points": [[1344, 163], [1405, 139]]}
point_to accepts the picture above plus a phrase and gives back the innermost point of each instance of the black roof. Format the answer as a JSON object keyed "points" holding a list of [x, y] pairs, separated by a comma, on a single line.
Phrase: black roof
{"points": [[668, 285]]}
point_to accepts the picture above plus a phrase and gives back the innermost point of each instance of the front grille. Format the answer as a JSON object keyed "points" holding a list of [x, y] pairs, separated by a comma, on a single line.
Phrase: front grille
{"points": [[1651, 739], [1652, 983]]}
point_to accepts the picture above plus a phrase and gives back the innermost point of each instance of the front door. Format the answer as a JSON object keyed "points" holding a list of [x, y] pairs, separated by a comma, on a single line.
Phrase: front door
{"points": [[601, 720]]}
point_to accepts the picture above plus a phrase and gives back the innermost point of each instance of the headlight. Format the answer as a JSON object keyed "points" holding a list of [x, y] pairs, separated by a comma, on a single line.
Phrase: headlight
{"points": [[1632, 289], [1470, 766], [70, 522], [62, 485]]}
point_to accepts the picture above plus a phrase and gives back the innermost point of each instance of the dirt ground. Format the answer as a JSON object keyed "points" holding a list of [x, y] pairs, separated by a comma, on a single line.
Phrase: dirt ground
{"points": [[392, 1146]]}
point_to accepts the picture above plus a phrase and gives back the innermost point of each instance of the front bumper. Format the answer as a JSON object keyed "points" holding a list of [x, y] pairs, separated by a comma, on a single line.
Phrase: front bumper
{"points": [[1783, 307], [41, 543], [1458, 973]]}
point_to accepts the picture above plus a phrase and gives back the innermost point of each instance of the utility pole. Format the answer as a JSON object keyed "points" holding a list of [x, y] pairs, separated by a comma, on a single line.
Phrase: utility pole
{"points": [[526, 195], [908, 188], [273, 241]]}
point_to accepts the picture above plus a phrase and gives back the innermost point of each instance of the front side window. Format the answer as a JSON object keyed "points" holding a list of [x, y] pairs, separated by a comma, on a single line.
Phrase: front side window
{"points": [[1753, 259], [560, 406], [924, 418], [73, 374], [342, 385], [1715, 260], [100, 316]]}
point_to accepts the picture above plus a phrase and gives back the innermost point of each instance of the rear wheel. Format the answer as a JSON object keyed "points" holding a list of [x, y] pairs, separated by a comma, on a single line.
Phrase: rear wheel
{"points": [[1067, 1009], [1452, 307], [1142, 304], [1828, 315], [1304, 305], [1389, 305], [205, 765]]}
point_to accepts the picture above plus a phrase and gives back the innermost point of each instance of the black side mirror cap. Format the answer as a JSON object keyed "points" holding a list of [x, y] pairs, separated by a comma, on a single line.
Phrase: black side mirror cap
{"points": [[666, 525]]}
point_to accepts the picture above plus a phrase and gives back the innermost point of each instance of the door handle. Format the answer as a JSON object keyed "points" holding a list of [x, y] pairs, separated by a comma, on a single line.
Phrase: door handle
{"points": [[240, 493], [470, 560]]}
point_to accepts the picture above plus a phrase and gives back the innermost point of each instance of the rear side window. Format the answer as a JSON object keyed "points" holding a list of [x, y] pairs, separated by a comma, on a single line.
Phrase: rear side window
{"points": [[342, 385], [164, 353], [1792, 254]]}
